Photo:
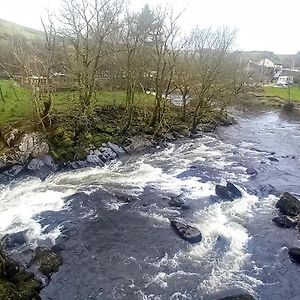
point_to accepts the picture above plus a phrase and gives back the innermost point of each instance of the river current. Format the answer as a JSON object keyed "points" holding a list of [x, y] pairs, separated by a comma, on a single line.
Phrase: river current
{"points": [[118, 250]]}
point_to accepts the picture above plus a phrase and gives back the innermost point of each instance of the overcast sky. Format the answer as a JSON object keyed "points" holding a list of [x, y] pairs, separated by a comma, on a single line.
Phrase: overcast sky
{"points": [[262, 24]]}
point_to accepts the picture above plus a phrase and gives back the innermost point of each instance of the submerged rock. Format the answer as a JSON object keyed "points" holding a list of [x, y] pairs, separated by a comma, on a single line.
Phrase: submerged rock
{"points": [[267, 189], [288, 205], [239, 297], [177, 202], [285, 222], [251, 171], [46, 260], [127, 198], [228, 192], [187, 232], [15, 239], [294, 254]]}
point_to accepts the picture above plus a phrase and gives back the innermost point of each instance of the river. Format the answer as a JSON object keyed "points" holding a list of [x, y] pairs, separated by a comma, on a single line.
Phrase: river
{"points": [[117, 250]]}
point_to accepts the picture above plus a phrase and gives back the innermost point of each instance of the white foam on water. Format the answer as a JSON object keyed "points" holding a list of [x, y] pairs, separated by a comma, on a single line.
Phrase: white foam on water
{"points": [[179, 296], [20, 203], [225, 220]]}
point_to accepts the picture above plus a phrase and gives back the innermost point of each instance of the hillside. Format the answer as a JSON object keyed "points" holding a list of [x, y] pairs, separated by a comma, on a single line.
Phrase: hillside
{"points": [[9, 28]]}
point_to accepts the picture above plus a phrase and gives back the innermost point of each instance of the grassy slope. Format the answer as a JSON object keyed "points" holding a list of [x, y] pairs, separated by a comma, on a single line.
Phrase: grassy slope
{"points": [[14, 110], [282, 92], [8, 28]]}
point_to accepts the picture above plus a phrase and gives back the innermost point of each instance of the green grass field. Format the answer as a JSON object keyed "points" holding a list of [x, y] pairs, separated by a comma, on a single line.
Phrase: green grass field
{"points": [[17, 106], [282, 92]]}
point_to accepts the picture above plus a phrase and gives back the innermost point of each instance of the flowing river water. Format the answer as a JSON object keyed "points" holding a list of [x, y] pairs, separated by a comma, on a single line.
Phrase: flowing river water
{"points": [[117, 250]]}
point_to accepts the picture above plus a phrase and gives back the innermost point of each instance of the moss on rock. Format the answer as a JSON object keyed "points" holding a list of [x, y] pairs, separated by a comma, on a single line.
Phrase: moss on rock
{"points": [[47, 261]]}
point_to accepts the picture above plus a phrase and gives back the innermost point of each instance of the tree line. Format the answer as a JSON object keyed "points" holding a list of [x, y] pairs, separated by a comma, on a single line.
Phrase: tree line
{"points": [[101, 44]]}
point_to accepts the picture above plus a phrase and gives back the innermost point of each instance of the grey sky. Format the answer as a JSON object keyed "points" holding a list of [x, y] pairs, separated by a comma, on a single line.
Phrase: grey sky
{"points": [[263, 24]]}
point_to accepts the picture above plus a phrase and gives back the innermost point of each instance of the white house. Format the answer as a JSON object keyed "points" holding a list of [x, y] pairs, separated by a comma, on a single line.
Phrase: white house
{"points": [[285, 80]]}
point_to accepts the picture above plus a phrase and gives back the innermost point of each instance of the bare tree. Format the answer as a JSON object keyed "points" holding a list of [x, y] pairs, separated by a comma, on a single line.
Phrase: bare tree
{"points": [[86, 27], [209, 60], [164, 53]]}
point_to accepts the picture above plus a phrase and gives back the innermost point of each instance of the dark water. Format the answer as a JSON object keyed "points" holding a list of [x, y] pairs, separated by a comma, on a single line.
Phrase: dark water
{"points": [[115, 250]]}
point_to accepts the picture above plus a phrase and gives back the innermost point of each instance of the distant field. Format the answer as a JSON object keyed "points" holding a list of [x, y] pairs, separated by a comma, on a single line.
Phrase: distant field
{"points": [[282, 92], [18, 106]]}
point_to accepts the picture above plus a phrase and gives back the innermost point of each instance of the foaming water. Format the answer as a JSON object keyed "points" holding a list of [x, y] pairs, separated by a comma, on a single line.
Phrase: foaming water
{"points": [[22, 201], [144, 248]]}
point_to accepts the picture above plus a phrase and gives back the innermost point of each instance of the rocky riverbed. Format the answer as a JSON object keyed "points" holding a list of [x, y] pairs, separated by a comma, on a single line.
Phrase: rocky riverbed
{"points": [[189, 219]]}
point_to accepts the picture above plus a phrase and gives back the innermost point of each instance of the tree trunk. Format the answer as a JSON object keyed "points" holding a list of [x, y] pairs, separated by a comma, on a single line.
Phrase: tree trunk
{"points": [[1, 94]]}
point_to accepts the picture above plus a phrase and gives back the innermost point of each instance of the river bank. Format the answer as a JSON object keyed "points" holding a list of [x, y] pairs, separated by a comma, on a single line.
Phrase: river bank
{"points": [[99, 216]]}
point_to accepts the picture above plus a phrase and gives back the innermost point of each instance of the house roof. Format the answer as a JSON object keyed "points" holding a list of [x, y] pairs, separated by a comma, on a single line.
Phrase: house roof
{"points": [[266, 63]]}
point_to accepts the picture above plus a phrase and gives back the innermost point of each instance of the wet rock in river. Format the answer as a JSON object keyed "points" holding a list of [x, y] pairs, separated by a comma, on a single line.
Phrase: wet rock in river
{"points": [[46, 260], [285, 222], [267, 189], [288, 205], [117, 149], [233, 190], [228, 192], [177, 202], [15, 239], [294, 254], [251, 171], [187, 232], [223, 193], [127, 198], [273, 159]]}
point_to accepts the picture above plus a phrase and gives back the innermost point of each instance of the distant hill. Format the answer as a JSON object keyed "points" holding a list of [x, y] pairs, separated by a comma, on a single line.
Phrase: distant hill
{"points": [[288, 61], [9, 28]]}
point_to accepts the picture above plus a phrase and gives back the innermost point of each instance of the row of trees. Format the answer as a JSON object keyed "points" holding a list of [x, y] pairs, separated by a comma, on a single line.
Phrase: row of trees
{"points": [[97, 43]]}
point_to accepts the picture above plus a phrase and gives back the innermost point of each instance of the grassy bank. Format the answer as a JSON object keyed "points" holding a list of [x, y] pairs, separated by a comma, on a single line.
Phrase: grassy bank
{"points": [[16, 105], [283, 92], [71, 134]]}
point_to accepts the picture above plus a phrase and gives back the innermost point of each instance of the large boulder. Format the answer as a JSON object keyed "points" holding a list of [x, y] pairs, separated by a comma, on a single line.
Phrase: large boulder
{"points": [[228, 192], [46, 260], [294, 254], [33, 145], [288, 205], [285, 222], [187, 232]]}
